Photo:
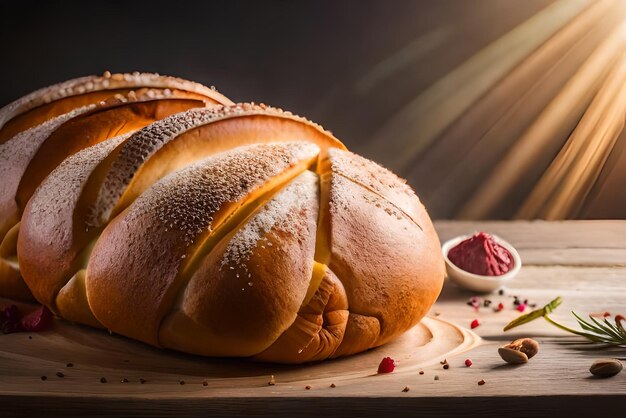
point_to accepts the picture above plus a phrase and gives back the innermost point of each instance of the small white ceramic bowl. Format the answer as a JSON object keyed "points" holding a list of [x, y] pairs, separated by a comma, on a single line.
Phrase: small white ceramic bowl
{"points": [[477, 282]]}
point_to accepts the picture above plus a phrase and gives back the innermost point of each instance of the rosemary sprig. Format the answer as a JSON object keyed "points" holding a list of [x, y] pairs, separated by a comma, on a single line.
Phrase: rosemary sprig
{"points": [[594, 330]]}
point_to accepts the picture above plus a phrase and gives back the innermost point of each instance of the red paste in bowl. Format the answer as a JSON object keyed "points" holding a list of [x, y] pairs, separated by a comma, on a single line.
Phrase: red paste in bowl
{"points": [[481, 254]]}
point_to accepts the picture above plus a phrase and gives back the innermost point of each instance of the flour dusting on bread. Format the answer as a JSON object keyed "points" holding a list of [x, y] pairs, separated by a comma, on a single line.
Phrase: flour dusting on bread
{"points": [[187, 199], [275, 215]]}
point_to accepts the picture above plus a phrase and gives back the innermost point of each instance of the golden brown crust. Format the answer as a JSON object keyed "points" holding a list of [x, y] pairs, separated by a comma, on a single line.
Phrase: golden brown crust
{"points": [[105, 120], [375, 178], [28, 158], [55, 100], [319, 328], [160, 230], [11, 283], [50, 240], [367, 236], [176, 141], [237, 278], [15, 155]]}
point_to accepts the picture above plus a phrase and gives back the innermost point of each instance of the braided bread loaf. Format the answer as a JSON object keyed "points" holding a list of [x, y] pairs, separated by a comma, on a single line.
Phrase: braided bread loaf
{"points": [[237, 230]]}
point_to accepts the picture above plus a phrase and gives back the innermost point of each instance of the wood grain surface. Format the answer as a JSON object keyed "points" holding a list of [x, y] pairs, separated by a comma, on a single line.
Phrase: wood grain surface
{"points": [[582, 261]]}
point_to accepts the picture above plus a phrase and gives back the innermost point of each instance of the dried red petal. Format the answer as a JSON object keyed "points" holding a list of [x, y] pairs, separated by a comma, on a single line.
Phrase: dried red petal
{"points": [[521, 307], [38, 320], [387, 365], [468, 362], [10, 319], [474, 323]]}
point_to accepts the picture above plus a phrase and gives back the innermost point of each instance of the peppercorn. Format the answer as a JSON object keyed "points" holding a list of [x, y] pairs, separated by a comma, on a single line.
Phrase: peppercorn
{"points": [[181, 382], [142, 381], [332, 385], [481, 382], [307, 387], [69, 365], [44, 377], [59, 374], [124, 380], [205, 383], [103, 380]]}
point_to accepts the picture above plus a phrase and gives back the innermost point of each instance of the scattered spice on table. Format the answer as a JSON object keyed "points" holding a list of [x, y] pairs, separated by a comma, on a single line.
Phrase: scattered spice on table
{"points": [[103, 380], [387, 365], [60, 374], [406, 389], [142, 380], [474, 323], [332, 385], [205, 383], [69, 365], [181, 382], [307, 387], [44, 377], [124, 380], [436, 377], [499, 308], [474, 302], [481, 382], [421, 371], [272, 381], [468, 363]]}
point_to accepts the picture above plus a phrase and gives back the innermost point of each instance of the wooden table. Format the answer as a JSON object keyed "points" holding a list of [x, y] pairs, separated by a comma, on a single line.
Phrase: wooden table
{"points": [[584, 262]]}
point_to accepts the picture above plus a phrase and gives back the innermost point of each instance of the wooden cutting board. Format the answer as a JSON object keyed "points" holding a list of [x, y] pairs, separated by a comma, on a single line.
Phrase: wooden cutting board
{"points": [[84, 356]]}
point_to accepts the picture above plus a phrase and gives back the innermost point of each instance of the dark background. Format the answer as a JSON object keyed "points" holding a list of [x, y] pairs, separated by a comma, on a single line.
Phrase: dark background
{"points": [[348, 65], [307, 56]]}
